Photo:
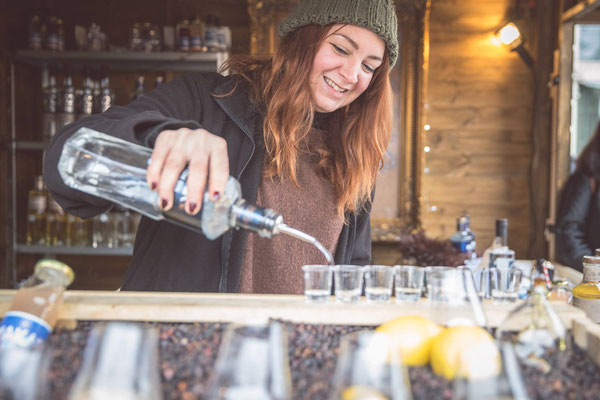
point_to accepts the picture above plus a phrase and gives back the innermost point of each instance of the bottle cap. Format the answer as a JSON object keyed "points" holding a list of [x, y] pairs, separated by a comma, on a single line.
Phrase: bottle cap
{"points": [[55, 265], [591, 259], [597, 252]]}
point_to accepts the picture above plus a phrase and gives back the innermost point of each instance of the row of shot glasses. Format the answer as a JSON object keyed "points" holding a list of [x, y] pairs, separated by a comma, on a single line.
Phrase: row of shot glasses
{"points": [[408, 283]]}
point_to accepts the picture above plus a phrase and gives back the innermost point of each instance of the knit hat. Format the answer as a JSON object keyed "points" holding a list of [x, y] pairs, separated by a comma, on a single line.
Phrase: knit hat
{"points": [[378, 16]]}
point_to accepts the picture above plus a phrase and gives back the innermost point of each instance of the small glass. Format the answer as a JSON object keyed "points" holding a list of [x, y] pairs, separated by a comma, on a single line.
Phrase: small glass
{"points": [[252, 364], [317, 282], [485, 277], [24, 371], [431, 271], [378, 282], [505, 285], [120, 361], [369, 367], [409, 283], [348, 282]]}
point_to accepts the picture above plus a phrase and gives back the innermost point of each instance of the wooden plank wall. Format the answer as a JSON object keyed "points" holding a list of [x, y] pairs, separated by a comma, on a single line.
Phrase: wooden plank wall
{"points": [[478, 104]]}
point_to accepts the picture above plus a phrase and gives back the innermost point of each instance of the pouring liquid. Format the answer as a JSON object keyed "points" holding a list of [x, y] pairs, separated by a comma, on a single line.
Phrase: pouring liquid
{"points": [[283, 228]]}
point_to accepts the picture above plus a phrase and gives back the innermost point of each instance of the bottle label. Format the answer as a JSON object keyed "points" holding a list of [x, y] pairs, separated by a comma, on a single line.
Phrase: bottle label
{"points": [[591, 273], [590, 306], [23, 329]]}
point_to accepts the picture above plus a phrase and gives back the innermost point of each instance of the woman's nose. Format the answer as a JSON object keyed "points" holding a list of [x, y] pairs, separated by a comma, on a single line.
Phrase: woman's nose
{"points": [[349, 71]]}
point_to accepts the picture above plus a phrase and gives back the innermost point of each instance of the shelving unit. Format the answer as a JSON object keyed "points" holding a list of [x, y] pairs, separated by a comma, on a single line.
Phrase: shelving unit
{"points": [[115, 61]]}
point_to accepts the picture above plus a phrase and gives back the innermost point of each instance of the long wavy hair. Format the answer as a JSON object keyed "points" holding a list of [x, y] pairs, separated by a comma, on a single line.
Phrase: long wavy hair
{"points": [[357, 134], [588, 161]]}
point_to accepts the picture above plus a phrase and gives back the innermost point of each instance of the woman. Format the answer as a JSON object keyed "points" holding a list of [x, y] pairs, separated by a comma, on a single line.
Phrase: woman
{"points": [[578, 222], [304, 131]]}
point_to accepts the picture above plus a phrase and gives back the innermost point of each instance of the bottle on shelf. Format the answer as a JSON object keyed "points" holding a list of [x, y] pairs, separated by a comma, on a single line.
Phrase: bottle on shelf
{"points": [[57, 227], [60, 32], [211, 35], [52, 34], [198, 34], [586, 295], [183, 33], [87, 96], [34, 310], [140, 88], [78, 229], [158, 81], [68, 112], [107, 94], [35, 33], [50, 104], [36, 213], [463, 240], [224, 36], [102, 231], [114, 169]]}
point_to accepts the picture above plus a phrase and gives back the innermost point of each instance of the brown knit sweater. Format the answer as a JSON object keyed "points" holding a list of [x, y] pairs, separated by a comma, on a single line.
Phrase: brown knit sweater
{"points": [[274, 265]]}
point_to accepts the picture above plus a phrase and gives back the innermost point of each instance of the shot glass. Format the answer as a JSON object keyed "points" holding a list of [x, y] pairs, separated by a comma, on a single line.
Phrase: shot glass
{"points": [[485, 277], [409, 283], [430, 272], [317, 282], [505, 286], [378, 282], [348, 282]]}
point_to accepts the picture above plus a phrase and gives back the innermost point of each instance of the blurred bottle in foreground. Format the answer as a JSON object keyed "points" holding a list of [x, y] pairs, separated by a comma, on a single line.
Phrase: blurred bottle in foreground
{"points": [[586, 295], [34, 310]]}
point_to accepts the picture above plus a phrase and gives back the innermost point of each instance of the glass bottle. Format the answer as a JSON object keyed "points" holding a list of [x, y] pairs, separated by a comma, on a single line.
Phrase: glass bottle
{"points": [[463, 239], [107, 94], [586, 295], [500, 255], [78, 229], [36, 212], [60, 31], [34, 310], [68, 111], [183, 32], [140, 88], [114, 169], [35, 33], [50, 99], [57, 227]]}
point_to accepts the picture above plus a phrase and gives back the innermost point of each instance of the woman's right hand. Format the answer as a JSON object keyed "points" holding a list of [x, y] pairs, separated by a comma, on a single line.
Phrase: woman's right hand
{"points": [[203, 153]]}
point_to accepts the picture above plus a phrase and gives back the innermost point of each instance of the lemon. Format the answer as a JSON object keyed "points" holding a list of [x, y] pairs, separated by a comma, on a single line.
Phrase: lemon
{"points": [[465, 351], [357, 392], [412, 336]]}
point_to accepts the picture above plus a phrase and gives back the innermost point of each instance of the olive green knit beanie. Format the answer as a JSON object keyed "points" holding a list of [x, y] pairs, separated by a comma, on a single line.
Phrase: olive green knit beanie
{"points": [[378, 16]]}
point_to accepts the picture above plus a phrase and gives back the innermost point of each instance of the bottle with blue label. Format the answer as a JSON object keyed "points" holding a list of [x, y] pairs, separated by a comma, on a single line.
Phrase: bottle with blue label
{"points": [[34, 309], [463, 240]]}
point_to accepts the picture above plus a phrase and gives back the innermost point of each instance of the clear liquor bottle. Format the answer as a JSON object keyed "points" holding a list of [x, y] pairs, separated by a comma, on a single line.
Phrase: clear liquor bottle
{"points": [[37, 200], [500, 255], [68, 103], [50, 99], [463, 239], [115, 170]]}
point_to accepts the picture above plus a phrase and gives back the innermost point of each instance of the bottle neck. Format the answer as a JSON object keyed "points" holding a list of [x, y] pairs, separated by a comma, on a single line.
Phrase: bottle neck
{"points": [[263, 221]]}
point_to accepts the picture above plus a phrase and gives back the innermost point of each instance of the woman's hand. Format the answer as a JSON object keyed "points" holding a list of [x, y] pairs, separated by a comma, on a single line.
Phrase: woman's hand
{"points": [[205, 155]]}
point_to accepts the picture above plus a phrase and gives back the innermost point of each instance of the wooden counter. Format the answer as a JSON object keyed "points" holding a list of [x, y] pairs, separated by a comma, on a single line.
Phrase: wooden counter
{"points": [[242, 308]]}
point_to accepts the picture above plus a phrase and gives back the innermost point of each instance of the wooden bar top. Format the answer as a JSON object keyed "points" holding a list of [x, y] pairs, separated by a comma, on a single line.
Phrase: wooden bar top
{"points": [[244, 308]]}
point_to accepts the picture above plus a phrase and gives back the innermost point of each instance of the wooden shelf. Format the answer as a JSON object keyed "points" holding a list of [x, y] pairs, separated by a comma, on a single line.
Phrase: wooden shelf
{"points": [[175, 61], [74, 250], [30, 145]]}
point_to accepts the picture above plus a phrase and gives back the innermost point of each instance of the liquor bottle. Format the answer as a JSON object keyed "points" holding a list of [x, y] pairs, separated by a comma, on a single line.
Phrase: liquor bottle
{"points": [[158, 81], [500, 255], [78, 230], [87, 98], [197, 35], [57, 227], [211, 35], [586, 295], [114, 169], [140, 88], [50, 100], [36, 212], [34, 310], [35, 33], [463, 239], [183, 32], [224, 36], [60, 31], [68, 106], [52, 34], [107, 95]]}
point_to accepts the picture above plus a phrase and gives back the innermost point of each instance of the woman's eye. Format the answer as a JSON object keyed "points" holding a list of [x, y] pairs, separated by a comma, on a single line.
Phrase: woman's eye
{"points": [[368, 68], [339, 49]]}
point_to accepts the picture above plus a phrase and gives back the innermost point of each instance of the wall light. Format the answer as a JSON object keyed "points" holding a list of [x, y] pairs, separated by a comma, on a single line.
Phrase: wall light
{"points": [[510, 36]]}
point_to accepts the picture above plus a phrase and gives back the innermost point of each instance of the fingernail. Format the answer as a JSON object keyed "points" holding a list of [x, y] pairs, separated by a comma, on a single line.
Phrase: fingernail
{"points": [[192, 207], [153, 185], [164, 203], [216, 195]]}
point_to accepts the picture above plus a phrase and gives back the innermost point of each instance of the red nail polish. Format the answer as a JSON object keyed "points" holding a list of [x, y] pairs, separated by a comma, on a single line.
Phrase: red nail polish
{"points": [[164, 203], [216, 195], [153, 185], [192, 207]]}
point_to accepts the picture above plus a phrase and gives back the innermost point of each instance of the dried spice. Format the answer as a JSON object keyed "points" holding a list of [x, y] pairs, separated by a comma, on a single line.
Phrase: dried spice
{"points": [[419, 249], [188, 353]]}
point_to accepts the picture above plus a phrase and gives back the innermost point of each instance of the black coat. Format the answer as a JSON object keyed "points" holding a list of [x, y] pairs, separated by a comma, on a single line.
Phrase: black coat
{"points": [[167, 257], [578, 221]]}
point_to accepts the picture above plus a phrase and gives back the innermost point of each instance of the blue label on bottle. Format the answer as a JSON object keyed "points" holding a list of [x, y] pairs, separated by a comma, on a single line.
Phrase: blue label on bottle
{"points": [[23, 329]]}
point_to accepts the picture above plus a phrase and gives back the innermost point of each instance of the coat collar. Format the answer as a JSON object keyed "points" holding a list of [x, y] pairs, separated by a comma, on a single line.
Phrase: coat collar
{"points": [[233, 94]]}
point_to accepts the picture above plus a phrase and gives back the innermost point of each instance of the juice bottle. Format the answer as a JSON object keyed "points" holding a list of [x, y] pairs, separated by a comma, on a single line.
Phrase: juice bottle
{"points": [[34, 309], [586, 295]]}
